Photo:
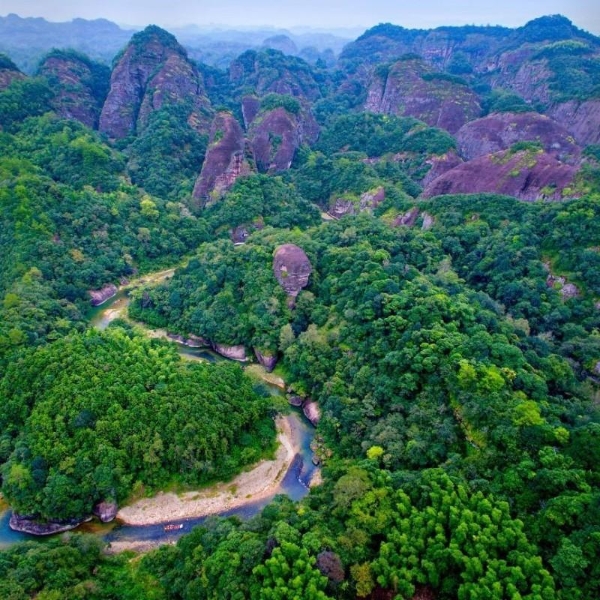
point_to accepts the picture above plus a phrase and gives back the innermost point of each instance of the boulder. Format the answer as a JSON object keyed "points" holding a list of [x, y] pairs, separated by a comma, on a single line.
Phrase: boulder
{"points": [[292, 268], [99, 297], [311, 411], [106, 510], [195, 341], [295, 400], [29, 524], [233, 352], [428, 221], [268, 361], [408, 218]]}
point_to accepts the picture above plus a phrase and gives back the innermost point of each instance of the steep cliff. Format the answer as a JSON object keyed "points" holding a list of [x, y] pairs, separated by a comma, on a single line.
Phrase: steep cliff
{"points": [[275, 135], [499, 131], [582, 119], [225, 160], [525, 174], [411, 88], [80, 85], [152, 71], [9, 72]]}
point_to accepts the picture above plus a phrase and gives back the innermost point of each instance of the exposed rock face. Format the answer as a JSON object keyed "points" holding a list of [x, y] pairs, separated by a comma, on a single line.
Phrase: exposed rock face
{"points": [[271, 71], [79, 84], [411, 89], [28, 524], [268, 361], [292, 268], [525, 175], [582, 119], [225, 160], [407, 219], [99, 297], [312, 411], [275, 136], [295, 400], [439, 165], [499, 131], [153, 71], [368, 201], [565, 289], [106, 511], [428, 221], [233, 352], [250, 108], [193, 341], [9, 72]]}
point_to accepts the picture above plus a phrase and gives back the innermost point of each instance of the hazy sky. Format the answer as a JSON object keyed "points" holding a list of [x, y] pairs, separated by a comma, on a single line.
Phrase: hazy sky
{"points": [[315, 13]]}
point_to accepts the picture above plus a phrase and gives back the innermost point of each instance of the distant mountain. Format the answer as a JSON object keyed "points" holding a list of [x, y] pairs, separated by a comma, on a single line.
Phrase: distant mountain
{"points": [[27, 40]]}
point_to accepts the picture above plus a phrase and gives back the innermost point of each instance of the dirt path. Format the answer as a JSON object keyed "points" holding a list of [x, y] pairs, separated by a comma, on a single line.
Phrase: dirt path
{"points": [[261, 482]]}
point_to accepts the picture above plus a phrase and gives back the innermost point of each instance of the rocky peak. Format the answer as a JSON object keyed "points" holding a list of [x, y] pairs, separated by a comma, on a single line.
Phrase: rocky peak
{"points": [[225, 160], [152, 71], [411, 88], [270, 71], [80, 85], [292, 269], [9, 72]]}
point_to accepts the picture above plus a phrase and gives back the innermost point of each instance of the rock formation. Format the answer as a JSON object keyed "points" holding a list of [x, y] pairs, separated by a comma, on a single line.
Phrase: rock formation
{"points": [[367, 202], [439, 165], [106, 511], [99, 297], [581, 119], [311, 411], [292, 269], [266, 359], [9, 72], [270, 71], [225, 160], [29, 524], [80, 85], [499, 131], [233, 352], [276, 134], [525, 174], [411, 89], [153, 71]]}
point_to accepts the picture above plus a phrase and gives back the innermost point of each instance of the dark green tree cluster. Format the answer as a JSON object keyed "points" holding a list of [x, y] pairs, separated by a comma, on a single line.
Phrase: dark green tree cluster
{"points": [[95, 416]]}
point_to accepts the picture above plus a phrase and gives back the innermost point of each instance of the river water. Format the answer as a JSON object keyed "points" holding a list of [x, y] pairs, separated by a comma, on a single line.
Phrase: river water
{"points": [[295, 484]]}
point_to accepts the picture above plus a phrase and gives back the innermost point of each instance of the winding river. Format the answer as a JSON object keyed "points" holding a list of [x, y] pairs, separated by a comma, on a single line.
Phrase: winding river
{"points": [[295, 482]]}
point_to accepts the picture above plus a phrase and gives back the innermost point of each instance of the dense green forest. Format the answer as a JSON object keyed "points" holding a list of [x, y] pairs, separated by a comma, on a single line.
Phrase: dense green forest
{"points": [[452, 343]]}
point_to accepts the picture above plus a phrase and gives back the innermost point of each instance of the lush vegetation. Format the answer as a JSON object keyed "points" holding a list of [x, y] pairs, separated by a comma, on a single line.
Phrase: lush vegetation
{"points": [[113, 414], [452, 344]]}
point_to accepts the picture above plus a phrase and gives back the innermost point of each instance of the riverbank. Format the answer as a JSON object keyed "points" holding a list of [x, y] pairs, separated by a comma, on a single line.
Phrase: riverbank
{"points": [[259, 483]]}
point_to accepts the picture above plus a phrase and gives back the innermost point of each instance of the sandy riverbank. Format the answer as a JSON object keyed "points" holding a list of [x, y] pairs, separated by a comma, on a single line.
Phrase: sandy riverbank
{"points": [[261, 482]]}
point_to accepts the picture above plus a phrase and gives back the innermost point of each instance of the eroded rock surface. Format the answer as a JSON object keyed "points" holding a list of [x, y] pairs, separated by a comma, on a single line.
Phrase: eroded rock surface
{"points": [[106, 511], [99, 297], [292, 268], [499, 131], [582, 119], [526, 175], [79, 84], [267, 360], [411, 89], [28, 524], [225, 160], [233, 352], [153, 71]]}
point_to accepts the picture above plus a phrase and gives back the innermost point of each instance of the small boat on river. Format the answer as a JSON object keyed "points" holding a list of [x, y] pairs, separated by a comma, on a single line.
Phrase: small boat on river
{"points": [[173, 527]]}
